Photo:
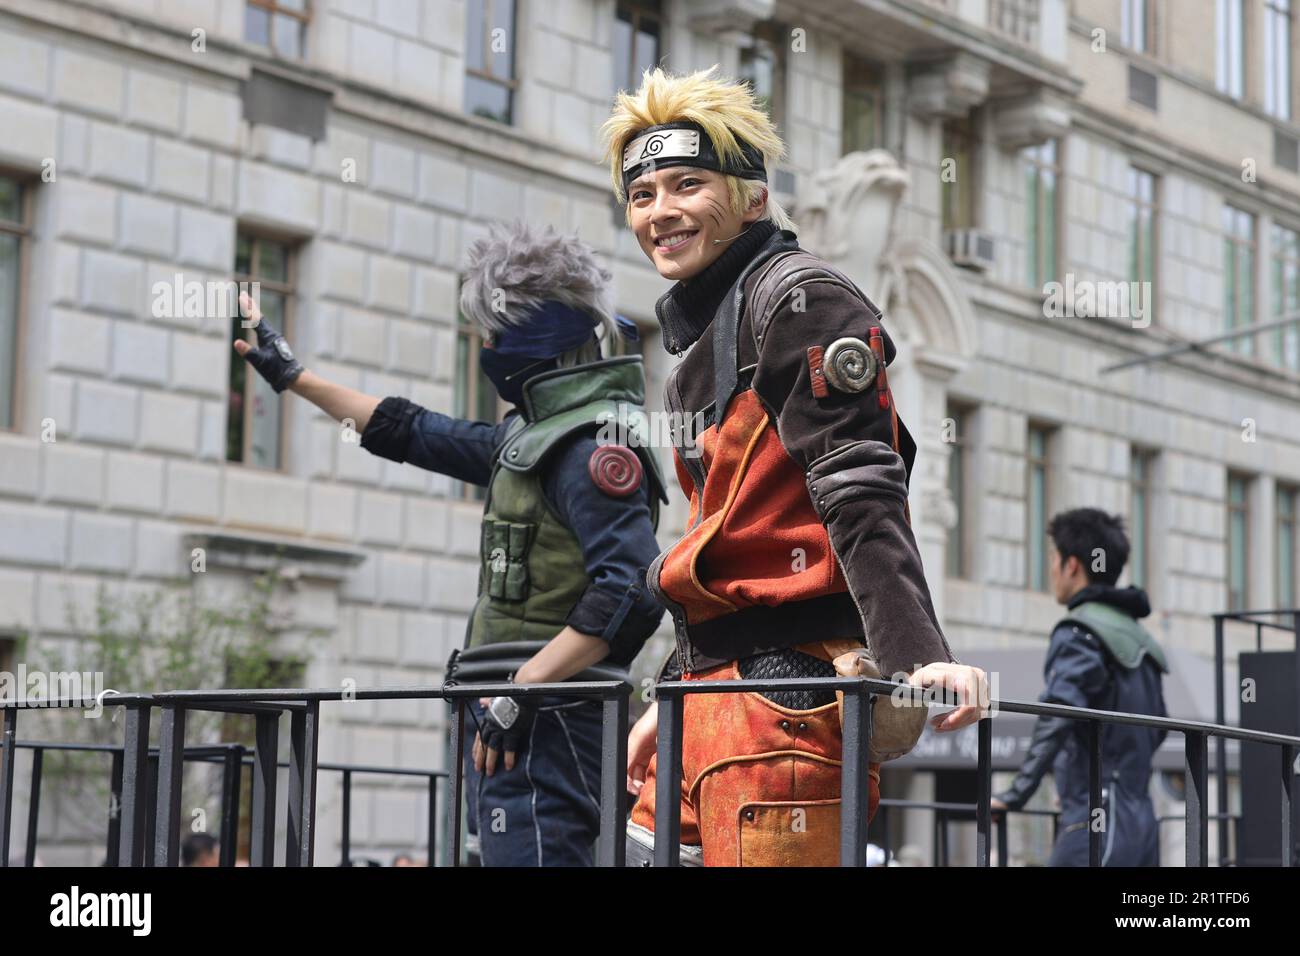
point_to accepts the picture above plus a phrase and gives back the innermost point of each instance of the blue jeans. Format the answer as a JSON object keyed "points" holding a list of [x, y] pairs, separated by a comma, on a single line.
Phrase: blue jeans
{"points": [[546, 811]]}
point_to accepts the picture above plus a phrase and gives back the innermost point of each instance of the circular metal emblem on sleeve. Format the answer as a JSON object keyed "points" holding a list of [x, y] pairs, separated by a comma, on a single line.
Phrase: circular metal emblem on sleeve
{"points": [[849, 365], [615, 470]]}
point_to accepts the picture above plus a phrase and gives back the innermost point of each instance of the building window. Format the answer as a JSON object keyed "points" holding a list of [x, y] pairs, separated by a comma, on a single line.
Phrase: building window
{"points": [[862, 124], [957, 174], [1288, 501], [1230, 47], [490, 81], [638, 33], [762, 64], [14, 230], [1238, 541], [7, 651], [254, 412], [1239, 275], [1037, 504], [1137, 29], [280, 25], [1139, 525], [1142, 230], [1042, 173], [1277, 58], [475, 397], [958, 467], [1286, 295]]}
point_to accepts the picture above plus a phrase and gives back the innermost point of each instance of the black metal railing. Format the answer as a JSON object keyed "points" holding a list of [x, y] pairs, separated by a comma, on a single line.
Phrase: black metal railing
{"points": [[1259, 620], [857, 741], [233, 759], [135, 828]]}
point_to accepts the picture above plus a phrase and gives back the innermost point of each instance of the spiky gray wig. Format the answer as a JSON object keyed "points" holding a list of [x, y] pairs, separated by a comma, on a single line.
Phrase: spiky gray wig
{"points": [[516, 269]]}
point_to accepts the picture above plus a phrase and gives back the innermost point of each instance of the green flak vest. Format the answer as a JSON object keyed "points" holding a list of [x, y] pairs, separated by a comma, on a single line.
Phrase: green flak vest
{"points": [[531, 570], [1126, 639]]}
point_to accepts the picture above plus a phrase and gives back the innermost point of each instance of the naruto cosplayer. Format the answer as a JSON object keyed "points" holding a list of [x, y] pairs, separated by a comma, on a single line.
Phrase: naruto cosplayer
{"points": [[798, 559]]}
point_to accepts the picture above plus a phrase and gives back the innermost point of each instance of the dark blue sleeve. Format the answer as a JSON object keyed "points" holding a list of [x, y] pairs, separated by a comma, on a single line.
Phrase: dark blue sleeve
{"points": [[1076, 676], [403, 431], [618, 544]]}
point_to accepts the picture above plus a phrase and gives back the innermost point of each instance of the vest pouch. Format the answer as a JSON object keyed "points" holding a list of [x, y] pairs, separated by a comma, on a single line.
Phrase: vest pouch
{"points": [[496, 557], [519, 538]]}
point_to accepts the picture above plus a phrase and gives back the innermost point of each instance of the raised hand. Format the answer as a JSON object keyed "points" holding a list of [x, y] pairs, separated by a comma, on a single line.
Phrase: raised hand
{"points": [[271, 358]]}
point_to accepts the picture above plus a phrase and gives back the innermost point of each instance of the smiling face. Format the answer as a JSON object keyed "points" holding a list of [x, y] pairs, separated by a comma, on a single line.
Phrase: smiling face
{"points": [[677, 212]]}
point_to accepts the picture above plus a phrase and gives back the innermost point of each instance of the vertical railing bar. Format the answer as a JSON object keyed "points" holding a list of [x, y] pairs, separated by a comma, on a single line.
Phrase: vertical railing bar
{"points": [[1002, 838], [8, 753], [114, 843], [433, 819], [1197, 827], [265, 780], [612, 845], [668, 781], [346, 836], [232, 768], [133, 809], [985, 793], [455, 779], [1288, 775], [171, 763], [1220, 743], [1095, 834], [34, 805], [304, 743], [854, 792]]}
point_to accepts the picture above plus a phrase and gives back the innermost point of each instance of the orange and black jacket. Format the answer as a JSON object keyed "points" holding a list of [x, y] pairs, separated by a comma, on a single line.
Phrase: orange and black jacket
{"points": [[798, 527]]}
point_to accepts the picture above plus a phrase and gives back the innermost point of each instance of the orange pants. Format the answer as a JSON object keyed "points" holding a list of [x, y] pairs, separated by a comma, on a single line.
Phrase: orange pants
{"points": [[760, 782]]}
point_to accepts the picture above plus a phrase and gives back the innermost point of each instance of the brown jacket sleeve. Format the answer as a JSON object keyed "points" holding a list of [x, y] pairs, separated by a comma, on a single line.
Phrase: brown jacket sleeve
{"points": [[844, 443]]}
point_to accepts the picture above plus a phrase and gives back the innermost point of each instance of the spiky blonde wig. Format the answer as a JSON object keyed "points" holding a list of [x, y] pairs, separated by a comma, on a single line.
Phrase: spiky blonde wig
{"points": [[517, 268], [724, 108]]}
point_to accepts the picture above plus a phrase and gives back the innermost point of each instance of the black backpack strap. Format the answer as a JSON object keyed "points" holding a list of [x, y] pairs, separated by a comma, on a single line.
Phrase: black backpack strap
{"points": [[726, 324]]}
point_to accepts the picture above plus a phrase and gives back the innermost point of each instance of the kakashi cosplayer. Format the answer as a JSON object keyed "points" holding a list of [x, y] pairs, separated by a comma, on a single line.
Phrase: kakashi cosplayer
{"points": [[568, 527], [803, 454]]}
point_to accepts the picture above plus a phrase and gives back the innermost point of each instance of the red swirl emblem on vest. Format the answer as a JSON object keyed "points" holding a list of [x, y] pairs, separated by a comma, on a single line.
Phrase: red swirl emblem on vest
{"points": [[615, 470]]}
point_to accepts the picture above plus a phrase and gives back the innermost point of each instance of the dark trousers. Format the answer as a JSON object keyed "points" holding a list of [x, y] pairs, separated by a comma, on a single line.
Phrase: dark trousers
{"points": [[546, 811]]}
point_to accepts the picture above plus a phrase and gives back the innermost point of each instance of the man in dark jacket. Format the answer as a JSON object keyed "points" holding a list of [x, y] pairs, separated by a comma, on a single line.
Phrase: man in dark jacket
{"points": [[568, 526], [1099, 657]]}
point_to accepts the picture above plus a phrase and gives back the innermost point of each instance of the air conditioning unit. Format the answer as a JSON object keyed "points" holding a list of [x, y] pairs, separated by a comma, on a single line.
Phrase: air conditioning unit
{"points": [[971, 248]]}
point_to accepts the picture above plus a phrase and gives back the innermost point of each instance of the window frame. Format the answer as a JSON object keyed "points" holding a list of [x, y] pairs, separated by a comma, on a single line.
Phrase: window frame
{"points": [[1284, 491], [283, 287], [273, 9], [639, 10], [23, 230], [1144, 12], [1045, 463], [511, 82], [962, 132], [957, 545], [1277, 90], [1235, 243], [857, 86], [1231, 508], [468, 374], [1139, 528], [776, 35], [1138, 251], [1230, 75], [1040, 271], [1277, 262]]}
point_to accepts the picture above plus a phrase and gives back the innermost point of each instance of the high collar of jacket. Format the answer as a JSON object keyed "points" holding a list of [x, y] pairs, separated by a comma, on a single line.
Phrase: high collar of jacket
{"points": [[1132, 601], [686, 309], [619, 379]]}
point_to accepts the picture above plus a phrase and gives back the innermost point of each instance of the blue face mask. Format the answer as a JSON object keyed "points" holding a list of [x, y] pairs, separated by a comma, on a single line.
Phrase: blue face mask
{"points": [[508, 372]]}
